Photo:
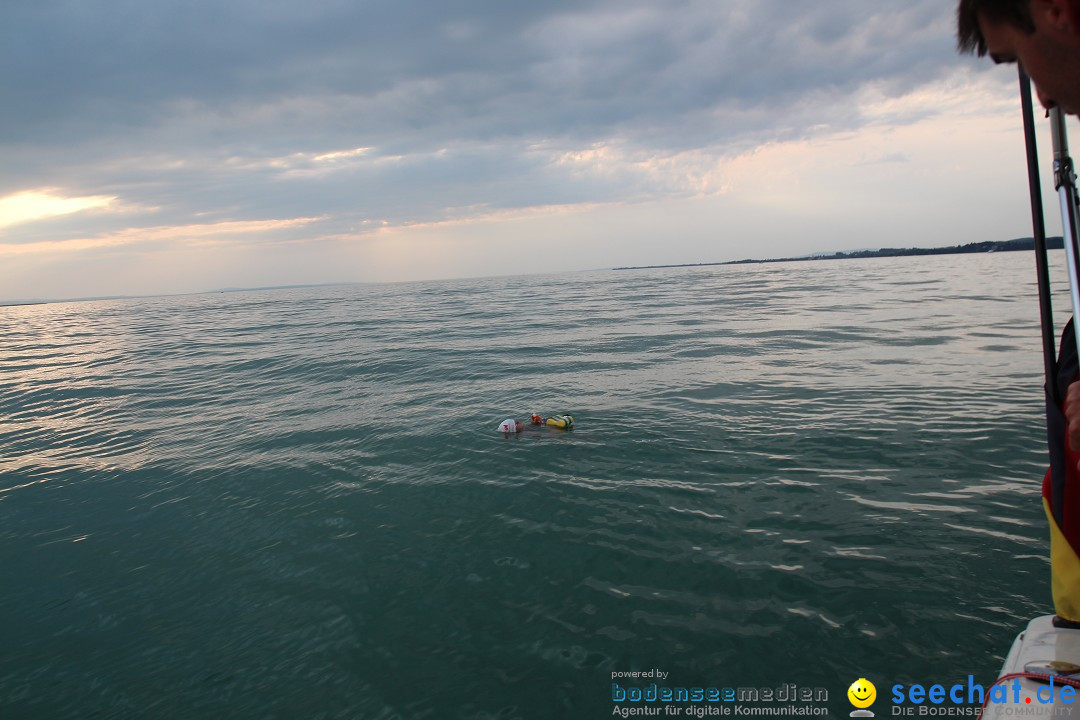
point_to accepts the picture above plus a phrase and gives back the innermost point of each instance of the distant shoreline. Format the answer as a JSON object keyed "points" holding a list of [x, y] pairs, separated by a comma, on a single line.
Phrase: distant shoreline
{"points": [[1052, 243]]}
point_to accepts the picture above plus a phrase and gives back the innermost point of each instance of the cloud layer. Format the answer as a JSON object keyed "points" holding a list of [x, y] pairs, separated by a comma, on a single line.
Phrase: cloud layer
{"points": [[355, 117]]}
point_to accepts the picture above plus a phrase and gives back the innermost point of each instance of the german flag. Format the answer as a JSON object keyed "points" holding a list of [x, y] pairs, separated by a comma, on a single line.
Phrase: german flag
{"points": [[1061, 489]]}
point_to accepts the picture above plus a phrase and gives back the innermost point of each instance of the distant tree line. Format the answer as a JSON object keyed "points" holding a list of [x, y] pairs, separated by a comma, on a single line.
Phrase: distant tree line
{"points": [[1053, 243]]}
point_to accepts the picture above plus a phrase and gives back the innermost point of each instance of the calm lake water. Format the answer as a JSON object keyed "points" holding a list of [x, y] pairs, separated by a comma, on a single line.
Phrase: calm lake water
{"points": [[294, 503]]}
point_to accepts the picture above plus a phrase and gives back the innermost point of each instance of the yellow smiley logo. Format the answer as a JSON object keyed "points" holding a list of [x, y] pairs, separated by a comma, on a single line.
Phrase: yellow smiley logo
{"points": [[862, 693]]}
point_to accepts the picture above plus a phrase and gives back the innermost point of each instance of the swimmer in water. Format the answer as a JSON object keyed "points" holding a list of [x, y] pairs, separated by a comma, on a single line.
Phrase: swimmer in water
{"points": [[510, 425], [536, 422]]}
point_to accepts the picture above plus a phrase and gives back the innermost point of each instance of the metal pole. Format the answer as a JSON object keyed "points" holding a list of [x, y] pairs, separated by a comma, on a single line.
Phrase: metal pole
{"points": [[1038, 224], [1065, 183]]}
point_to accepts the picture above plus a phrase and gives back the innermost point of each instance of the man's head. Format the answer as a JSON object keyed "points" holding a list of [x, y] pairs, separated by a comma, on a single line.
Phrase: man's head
{"points": [[969, 13], [1042, 35]]}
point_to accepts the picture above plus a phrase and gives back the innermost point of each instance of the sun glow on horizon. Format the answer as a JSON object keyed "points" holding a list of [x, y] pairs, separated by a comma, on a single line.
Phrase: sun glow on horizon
{"points": [[31, 205], [192, 236]]}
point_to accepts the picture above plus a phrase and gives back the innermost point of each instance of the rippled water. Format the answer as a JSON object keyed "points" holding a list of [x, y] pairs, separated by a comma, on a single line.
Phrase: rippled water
{"points": [[294, 503]]}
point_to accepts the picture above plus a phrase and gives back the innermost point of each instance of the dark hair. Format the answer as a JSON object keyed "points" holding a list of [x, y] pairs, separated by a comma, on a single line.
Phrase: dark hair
{"points": [[969, 37]]}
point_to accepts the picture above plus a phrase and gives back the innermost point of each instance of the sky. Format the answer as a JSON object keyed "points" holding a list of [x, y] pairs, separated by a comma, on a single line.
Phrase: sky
{"points": [[182, 146]]}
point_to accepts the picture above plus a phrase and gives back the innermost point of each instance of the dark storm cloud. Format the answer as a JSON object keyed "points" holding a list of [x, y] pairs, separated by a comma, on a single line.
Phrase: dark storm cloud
{"points": [[190, 106], [493, 67]]}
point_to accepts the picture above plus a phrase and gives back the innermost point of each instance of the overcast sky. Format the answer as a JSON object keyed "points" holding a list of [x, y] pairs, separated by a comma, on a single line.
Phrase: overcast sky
{"points": [[187, 145]]}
